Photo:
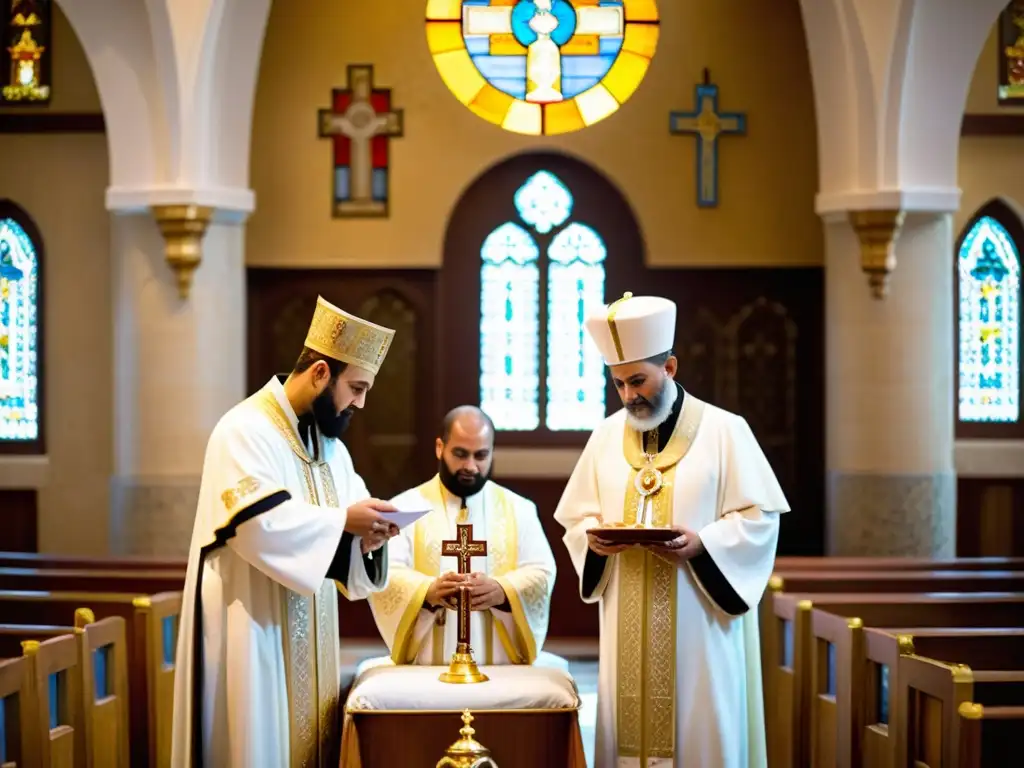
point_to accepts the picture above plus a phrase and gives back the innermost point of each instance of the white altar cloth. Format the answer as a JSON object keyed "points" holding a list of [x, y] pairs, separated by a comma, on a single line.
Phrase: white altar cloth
{"points": [[380, 685]]}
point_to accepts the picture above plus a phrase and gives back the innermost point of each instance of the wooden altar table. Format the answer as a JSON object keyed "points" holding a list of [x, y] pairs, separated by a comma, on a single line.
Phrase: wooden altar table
{"points": [[528, 716]]}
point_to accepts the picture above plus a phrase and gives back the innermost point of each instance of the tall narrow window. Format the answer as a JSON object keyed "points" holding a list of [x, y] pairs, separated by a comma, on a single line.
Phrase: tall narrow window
{"points": [[989, 297], [19, 336], [543, 260]]}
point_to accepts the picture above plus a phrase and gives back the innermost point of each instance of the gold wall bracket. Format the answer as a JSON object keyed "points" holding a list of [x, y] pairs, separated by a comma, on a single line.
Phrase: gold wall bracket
{"points": [[183, 228], [877, 231]]}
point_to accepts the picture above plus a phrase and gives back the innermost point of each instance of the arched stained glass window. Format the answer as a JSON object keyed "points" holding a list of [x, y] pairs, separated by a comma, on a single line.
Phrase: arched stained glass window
{"points": [[988, 283], [521, 346], [19, 335]]}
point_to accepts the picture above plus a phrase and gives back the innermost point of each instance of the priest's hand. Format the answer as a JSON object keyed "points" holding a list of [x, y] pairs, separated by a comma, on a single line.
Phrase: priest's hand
{"points": [[602, 547], [366, 519], [685, 546], [442, 589], [484, 592], [373, 542]]}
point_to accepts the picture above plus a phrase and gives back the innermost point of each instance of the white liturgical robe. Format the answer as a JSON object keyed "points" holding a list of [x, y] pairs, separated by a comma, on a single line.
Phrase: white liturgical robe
{"points": [[258, 657], [518, 557], [679, 670]]}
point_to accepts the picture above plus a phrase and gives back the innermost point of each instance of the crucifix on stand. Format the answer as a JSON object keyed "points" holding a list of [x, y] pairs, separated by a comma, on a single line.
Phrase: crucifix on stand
{"points": [[462, 668]]}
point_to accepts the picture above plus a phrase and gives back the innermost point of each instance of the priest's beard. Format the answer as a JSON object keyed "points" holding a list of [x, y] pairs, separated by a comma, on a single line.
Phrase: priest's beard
{"points": [[328, 420], [644, 415], [463, 484]]}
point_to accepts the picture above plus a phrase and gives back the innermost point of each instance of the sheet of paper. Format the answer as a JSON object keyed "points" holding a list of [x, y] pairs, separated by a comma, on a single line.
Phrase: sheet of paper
{"points": [[409, 512]]}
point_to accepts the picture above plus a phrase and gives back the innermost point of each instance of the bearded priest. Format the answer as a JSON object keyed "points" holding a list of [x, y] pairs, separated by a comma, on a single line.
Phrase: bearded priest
{"points": [[510, 587], [282, 518], [679, 671]]}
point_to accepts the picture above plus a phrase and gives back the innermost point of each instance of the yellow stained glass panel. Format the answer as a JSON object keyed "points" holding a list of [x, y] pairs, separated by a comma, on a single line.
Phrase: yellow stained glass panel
{"points": [[641, 39], [640, 10], [582, 45], [523, 117], [625, 75], [596, 104], [444, 10], [491, 104], [506, 45], [460, 74], [444, 36], [562, 117]]}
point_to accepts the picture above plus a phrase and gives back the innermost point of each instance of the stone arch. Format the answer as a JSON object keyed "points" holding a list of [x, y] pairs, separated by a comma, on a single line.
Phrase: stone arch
{"points": [[178, 113], [890, 90]]}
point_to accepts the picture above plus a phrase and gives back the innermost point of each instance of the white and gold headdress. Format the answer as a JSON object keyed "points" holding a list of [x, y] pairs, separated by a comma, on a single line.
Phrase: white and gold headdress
{"points": [[347, 338], [633, 328]]}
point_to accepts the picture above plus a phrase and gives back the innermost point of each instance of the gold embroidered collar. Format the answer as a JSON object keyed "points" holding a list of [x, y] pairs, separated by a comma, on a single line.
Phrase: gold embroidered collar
{"points": [[682, 438]]}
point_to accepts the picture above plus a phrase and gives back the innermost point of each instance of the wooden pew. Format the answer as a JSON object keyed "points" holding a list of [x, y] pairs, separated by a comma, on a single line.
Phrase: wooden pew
{"points": [[790, 635], [930, 698], [785, 565], [85, 580], [110, 563], [103, 670], [18, 748], [57, 724], [988, 734], [854, 680], [151, 630]]}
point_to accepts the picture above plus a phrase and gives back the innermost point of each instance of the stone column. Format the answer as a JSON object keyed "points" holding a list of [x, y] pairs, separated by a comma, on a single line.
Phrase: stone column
{"points": [[179, 365], [889, 394]]}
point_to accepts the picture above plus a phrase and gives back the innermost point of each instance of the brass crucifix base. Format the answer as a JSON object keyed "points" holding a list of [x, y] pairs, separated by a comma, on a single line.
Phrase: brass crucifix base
{"points": [[463, 668]]}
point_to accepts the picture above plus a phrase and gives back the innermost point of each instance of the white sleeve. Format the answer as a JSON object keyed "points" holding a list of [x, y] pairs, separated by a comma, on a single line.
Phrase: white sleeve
{"points": [[739, 545], [578, 511], [290, 541]]}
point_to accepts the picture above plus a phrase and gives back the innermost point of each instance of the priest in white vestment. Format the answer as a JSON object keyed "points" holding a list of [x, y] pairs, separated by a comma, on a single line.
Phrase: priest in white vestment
{"points": [[679, 671], [282, 519], [510, 587]]}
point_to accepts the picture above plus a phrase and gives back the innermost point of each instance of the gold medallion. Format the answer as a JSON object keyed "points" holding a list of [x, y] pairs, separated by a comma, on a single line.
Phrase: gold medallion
{"points": [[648, 481]]}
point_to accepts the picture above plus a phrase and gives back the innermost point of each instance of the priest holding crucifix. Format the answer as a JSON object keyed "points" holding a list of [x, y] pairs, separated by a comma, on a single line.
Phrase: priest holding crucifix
{"points": [[510, 593], [679, 682]]}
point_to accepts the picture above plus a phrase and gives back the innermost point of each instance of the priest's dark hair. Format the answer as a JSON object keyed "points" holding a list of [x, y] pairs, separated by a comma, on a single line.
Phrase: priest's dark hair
{"points": [[310, 356], [659, 359]]}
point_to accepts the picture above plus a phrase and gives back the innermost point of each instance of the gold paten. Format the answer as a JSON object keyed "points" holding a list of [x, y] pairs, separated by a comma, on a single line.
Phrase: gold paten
{"points": [[183, 228]]}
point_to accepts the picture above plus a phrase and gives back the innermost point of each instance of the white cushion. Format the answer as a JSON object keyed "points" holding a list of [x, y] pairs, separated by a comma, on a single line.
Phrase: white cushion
{"points": [[380, 685]]}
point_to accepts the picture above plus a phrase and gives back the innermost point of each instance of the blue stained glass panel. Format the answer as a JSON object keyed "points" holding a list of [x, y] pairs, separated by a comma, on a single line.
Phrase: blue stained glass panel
{"points": [[989, 321], [19, 286], [543, 202], [575, 371], [510, 328]]}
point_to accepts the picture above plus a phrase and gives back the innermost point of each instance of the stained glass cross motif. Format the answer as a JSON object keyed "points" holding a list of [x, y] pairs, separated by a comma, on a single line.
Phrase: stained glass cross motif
{"points": [[706, 123], [989, 323], [19, 409], [547, 29], [360, 124]]}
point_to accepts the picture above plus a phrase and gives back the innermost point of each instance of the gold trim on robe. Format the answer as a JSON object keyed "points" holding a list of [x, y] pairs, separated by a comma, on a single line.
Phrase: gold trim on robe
{"points": [[647, 605], [312, 640], [528, 596]]}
